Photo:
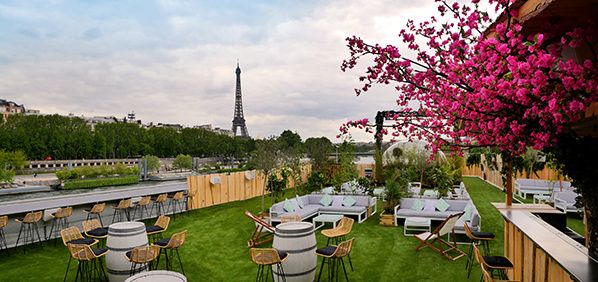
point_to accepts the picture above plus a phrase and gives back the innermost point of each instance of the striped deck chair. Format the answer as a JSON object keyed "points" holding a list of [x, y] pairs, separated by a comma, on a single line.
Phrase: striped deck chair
{"points": [[263, 232]]}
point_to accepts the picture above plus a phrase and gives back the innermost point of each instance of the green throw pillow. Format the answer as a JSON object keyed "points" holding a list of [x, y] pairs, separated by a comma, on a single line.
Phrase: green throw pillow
{"points": [[418, 205], [441, 205], [299, 201], [326, 200], [348, 201], [288, 207], [467, 215]]}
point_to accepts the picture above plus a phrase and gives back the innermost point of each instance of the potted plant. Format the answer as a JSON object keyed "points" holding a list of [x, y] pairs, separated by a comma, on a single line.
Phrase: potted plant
{"points": [[394, 193]]}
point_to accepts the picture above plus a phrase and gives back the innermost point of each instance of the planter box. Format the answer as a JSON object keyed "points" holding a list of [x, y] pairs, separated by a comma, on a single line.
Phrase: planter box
{"points": [[387, 219]]}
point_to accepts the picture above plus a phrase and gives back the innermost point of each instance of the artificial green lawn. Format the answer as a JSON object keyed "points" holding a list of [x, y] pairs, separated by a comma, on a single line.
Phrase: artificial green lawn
{"points": [[216, 247]]}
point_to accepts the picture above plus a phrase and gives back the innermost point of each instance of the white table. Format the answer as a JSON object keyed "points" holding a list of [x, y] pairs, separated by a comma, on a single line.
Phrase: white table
{"points": [[540, 199], [157, 275], [416, 224], [323, 218]]}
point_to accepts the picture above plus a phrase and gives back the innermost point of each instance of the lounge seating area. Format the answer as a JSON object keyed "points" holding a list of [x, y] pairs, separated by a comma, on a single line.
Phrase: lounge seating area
{"points": [[525, 187], [308, 206], [431, 209]]}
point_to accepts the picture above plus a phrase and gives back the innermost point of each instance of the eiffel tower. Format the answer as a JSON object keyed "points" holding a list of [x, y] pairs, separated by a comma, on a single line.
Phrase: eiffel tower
{"points": [[238, 119]]}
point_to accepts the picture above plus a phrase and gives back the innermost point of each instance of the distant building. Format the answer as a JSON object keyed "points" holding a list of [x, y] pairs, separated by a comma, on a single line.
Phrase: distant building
{"points": [[93, 121], [223, 131], [175, 126], [10, 108], [204, 126]]}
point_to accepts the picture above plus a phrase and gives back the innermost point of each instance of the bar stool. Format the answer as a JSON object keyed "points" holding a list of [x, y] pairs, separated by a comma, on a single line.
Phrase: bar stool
{"points": [[122, 209], [190, 195], [177, 200], [29, 227], [96, 210], [3, 223], [143, 256], [335, 254], [338, 234], [491, 263], [266, 258], [72, 236], [141, 207], [60, 220], [90, 264], [169, 245], [476, 238], [159, 204], [93, 229], [158, 228]]}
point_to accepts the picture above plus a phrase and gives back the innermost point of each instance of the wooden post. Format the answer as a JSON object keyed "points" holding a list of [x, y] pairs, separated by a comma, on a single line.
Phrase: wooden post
{"points": [[509, 184]]}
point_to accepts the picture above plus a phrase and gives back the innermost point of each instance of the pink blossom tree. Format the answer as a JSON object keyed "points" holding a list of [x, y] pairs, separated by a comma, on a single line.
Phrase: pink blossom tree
{"points": [[463, 81]]}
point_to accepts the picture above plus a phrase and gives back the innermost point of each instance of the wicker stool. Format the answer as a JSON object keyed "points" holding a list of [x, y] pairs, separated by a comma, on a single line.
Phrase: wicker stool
{"points": [[3, 223], [29, 228], [143, 256], [338, 234], [266, 258], [158, 228], [60, 220], [177, 200], [190, 195], [491, 263], [93, 229], [96, 210], [141, 207], [90, 263], [72, 236], [159, 204], [122, 210], [477, 238], [335, 255], [171, 244]]}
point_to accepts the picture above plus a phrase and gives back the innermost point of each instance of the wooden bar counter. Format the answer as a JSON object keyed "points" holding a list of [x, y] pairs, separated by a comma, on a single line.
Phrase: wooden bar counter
{"points": [[539, 251]]}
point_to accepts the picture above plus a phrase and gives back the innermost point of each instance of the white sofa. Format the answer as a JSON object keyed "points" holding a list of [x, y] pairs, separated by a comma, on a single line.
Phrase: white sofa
{"points": [[312, 207], [523, 186], [565, 201], [404, 210]]}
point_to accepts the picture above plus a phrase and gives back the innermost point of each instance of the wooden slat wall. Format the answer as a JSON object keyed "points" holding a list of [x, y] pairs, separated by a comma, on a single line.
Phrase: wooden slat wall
{"points": [[233, 187], [530, 262], [362, 167]]}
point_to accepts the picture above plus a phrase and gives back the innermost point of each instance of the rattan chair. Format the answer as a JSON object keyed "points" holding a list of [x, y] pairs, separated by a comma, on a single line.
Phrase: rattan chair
{"points": [[177, 200], [266, 258], [122, 210], [335, 255], [476, 238], [60, 220], [141, 207], [142, 256], [3, 223], [159, 204], [190, 195], [90, 264], [72, 235], [96, 210], [491, 263], [339, 233], [488, 277], [158, 228], [170, 245], [290, 218], [93, 229], [29, 228]]}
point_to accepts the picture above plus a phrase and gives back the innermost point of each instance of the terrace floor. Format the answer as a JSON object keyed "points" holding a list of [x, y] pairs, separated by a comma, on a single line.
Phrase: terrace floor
{"points": [[216, 247]]}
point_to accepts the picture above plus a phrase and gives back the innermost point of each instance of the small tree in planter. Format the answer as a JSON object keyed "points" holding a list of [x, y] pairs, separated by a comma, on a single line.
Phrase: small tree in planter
{"points": [[395, 189]]}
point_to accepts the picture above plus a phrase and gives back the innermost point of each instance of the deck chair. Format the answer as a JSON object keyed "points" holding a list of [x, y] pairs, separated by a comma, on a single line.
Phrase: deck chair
{"points": [[428, 239], [263, 232]]}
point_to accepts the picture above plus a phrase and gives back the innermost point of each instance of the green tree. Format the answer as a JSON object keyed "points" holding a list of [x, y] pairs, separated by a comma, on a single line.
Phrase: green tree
{"points": [[9, 163], [289, 139], [318, 150], [183, 162], [266, 158], [153, 162]]}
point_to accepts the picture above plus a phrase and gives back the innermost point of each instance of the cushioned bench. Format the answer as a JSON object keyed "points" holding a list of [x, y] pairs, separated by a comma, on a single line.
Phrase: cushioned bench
{"points": [[405, 210], [523, 186], [565, 201], [312, 207]]}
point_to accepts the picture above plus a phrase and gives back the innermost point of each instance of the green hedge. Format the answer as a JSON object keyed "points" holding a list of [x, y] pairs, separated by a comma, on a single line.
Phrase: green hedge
{"points": [[100, 182], [95, 171]]}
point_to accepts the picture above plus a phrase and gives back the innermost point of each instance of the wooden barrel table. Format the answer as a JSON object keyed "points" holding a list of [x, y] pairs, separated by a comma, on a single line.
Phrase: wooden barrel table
{"points": [[298, 240], [123, 237], [157, 275]]}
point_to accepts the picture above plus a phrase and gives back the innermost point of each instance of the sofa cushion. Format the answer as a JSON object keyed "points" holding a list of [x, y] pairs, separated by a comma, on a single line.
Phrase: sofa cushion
{"points": [[348, 201], [467, 215], [353, 209], [418, 205], [299, 201], [326, 200], [441, 205], [288, 207]]}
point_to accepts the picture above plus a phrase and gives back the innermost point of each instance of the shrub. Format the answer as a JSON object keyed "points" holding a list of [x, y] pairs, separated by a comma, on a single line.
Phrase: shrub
{"points": [[183, 161], [153, 162], [100, 182], [97, 171]]}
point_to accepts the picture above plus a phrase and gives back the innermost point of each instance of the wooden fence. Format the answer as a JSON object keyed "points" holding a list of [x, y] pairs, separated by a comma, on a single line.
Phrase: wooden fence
{"points": [[220, 188]]}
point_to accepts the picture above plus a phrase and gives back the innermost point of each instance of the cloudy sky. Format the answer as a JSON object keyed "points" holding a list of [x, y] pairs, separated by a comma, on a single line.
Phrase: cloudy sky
{"points": [[174, 61]]}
